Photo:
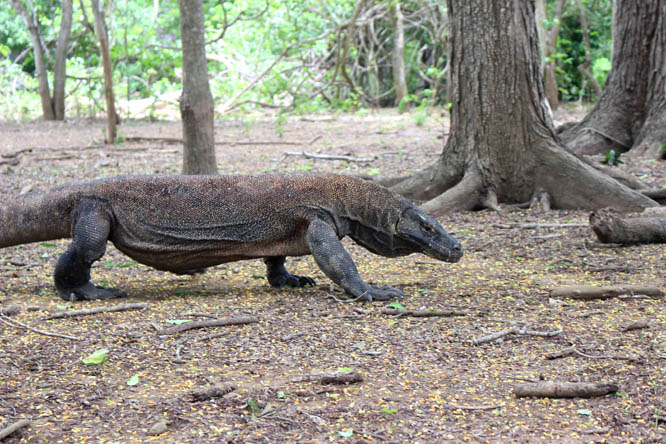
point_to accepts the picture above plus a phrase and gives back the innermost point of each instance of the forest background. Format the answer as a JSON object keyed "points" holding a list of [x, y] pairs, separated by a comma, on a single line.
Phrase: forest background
{"points": [[290, 57]]}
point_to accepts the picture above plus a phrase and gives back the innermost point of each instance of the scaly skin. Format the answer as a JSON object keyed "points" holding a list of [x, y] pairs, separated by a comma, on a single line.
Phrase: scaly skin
{"points": [[184, 224]]}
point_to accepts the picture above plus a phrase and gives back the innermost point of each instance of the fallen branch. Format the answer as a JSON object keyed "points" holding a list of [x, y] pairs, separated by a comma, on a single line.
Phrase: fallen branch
{"points": [[590, 292], [327, 156], [13, 428], [423, 313], [549, 389], [16, 324], [535, 225], [239, 320], [514, 330], [612, 228], [334, 378], [473, 407], [90, 311], [574, 351], [638, 325], [214, 391]]}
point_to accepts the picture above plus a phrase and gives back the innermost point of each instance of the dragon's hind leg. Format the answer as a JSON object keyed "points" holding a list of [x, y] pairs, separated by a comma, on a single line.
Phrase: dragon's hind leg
{"points": [[90, 230], [278, 276]]}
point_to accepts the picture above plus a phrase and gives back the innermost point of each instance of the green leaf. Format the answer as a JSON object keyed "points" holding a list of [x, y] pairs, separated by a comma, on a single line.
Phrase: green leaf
{"points": [[64, 307], [134, 380], [48, 245], [257, 276], [182, 292], [584, 412], [346, 433], [177, 321], [281, 394], [98, 357], [253, 405], [344, 370], [396, 305], [391, 411]]}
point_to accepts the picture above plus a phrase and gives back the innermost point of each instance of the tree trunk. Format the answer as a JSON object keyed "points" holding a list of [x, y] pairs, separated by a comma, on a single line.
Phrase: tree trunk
{"points": [[103, 38], [398, 54], [548, 39], [631, 113], [196, 102], [610, 228], [32, 23], [502, 146], [61, 60]]}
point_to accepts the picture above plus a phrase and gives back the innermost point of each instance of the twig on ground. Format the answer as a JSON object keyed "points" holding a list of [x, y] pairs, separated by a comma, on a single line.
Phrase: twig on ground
{"points": [[239, 320], [16, 324], [214, 391], [550, 389], [536, 225], [638, 325], [90, 311], [590, 292], [13, 428], [423, 313], [574, 351], [514, 330], [333, 378], [327, 156], [473, 407]]}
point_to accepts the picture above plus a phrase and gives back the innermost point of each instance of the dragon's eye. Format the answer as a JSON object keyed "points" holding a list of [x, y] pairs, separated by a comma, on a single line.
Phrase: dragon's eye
{"points": [[428, 228]]}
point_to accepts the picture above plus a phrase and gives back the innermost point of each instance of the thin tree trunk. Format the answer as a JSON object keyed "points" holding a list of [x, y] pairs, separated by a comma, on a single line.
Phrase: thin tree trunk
{"points": [[32, 23], [502, 146], [103, 39], [631, 112], [196, 102], [398, 54], [584, 67], [59, 69]]}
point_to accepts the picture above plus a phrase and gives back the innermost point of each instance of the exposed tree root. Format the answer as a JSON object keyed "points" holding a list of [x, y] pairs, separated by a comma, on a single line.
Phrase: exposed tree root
{"points": [[466, 195], [549, 389], [423, 313], [18, 425]]}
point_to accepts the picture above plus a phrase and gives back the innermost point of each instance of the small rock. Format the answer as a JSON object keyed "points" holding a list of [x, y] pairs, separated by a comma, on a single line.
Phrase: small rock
{"points": [[158, 428], [10, 310]]}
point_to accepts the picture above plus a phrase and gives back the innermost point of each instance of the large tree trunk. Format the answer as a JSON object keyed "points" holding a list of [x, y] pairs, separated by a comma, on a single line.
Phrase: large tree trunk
{"points": [[103, 38], [32, 23], [631, 113], [196, 102], [502, 146], [398, 53], [61, 60]]}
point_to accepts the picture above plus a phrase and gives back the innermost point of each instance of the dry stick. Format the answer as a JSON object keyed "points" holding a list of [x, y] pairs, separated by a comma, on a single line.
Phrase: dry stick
{"points": [[90, 311], [591, 292], [535, 225], [574, 351], [14, 323], [239, 320], [514, 330], [327, 156], [214, 391], [550, 389], [13, 428], [423, 313], [473, 407]]}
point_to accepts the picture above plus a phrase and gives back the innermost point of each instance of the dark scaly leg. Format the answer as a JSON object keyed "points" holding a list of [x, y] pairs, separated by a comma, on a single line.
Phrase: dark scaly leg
{"points": [[90, 232], [338, 265], [278, 276]]}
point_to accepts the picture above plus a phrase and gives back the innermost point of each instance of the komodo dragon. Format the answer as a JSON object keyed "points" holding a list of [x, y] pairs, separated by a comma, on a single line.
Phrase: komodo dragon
{"points": [[184, 224]]}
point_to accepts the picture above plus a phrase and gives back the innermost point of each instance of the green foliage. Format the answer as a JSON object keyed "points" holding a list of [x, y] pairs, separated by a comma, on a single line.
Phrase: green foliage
{"points": [[571, 51], [612, 158]]}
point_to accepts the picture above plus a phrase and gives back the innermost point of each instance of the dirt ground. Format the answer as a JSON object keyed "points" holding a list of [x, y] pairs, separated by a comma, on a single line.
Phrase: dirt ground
{"points": [[422, 380]]}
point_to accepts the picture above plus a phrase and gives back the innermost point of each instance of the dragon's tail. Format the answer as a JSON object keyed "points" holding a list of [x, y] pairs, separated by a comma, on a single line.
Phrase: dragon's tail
{"points": [[34, 217]]}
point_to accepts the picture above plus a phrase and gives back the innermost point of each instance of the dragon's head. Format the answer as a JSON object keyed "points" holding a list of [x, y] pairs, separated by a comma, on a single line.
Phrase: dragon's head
{"points": [[418, 232]]}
